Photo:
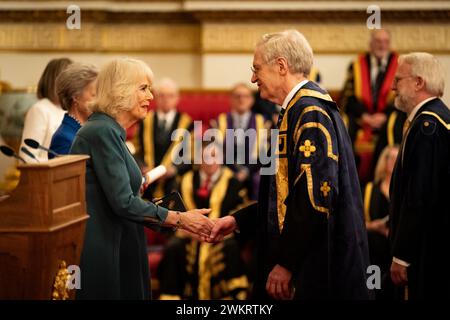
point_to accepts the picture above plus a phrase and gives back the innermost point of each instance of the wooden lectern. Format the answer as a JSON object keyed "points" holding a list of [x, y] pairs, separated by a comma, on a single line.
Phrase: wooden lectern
{"points": [[42, 226]]}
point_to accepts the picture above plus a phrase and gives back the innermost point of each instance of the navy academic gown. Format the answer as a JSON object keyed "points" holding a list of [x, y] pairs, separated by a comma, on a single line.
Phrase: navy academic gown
{"points": [[420, 213], [323, 240]]}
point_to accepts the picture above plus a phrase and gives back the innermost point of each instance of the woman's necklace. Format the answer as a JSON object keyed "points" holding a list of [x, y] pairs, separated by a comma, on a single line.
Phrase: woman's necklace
{"points": [[74, 118]]}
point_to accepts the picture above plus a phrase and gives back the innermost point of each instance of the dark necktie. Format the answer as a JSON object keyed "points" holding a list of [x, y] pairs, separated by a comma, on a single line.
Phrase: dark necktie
{"points": [[162, 125], [241, 122], [280, 117], [376, 86]]}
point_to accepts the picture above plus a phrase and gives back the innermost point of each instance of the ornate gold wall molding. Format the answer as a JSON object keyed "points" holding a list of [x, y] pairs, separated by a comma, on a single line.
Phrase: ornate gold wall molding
{"points": [[327, 37], [194, 26], [221, 37], [198, 16], [100, 37]]}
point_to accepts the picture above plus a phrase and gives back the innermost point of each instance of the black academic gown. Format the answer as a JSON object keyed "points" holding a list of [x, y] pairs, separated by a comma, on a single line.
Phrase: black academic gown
{"points": [[376, 206], [419, 213], [193, 270], [246, 156], [353, 104], [323, 241], [155, 147], [391, 133]]}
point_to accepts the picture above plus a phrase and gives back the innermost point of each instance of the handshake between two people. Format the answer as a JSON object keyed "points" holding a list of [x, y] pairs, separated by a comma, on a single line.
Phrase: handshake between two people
{"points": [[198, 226]]}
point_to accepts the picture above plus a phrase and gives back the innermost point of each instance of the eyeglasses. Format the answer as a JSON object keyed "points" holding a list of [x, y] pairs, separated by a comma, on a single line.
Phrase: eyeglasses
{"points": [[256, 69], [398, 79]]}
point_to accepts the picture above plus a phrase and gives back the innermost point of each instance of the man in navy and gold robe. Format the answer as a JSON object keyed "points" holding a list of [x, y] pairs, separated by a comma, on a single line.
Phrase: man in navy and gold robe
{"points": [[309, 221]]}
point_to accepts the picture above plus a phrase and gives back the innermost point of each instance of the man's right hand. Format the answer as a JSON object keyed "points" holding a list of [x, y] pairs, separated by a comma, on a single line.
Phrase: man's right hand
{"points": [[222, 227], [399, 274]]}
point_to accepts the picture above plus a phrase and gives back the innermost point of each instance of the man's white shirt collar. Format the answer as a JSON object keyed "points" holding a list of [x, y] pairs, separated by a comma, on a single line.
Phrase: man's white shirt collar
{"points": [[215, 176], [245, 117], [169, 117], [292, 93], [374, 69], [416, 108], [373, 61]]}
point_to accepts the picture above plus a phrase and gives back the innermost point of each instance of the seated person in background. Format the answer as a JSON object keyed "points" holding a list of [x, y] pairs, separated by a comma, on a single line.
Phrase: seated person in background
{"points": [[45, 116], [390, 134], [76, 88], [376, 209], [367, 97], [315, 76], [246, 150], [194, 270], [153, 142]]}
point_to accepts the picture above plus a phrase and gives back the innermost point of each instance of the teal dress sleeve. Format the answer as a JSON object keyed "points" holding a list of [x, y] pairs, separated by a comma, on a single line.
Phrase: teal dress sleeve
{"points": [[118, 175]]}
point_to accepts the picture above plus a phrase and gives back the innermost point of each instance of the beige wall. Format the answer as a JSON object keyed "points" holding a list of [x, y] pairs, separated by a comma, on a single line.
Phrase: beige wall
{"points": [[192, 71], [23, 69]]}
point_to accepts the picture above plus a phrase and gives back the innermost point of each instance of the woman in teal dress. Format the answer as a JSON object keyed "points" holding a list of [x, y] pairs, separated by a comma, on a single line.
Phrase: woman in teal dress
{"points": [[114, 258]]}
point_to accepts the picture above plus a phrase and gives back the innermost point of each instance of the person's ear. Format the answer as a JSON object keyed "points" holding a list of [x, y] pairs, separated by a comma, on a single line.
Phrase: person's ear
{"points": [[282, 65], [420, 83]]}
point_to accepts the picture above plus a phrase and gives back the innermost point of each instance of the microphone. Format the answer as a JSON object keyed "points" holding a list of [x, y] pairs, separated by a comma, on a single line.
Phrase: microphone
{"points": [[28, 153], [35, 145], [7, 151]]}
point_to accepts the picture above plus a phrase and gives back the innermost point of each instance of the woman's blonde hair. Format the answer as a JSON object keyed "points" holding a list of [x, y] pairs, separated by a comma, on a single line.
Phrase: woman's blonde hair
{"points": [[380, 169], [117, 85]]}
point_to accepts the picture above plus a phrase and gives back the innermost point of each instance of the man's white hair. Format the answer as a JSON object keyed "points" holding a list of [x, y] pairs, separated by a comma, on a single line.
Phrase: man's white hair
{"points": [[166, 83], [291, 45], [427, 67]]}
